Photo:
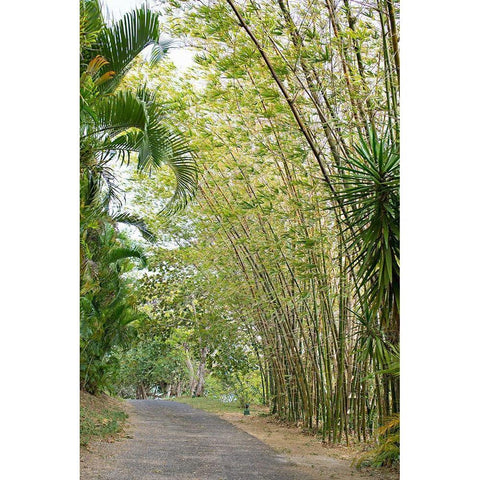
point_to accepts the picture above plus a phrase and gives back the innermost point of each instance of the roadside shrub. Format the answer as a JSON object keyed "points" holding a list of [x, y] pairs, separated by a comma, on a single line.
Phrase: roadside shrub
{"points": [[387, 453]]}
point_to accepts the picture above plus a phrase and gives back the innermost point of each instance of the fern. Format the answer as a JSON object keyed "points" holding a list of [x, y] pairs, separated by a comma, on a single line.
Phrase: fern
{"points": [[387, 453]]}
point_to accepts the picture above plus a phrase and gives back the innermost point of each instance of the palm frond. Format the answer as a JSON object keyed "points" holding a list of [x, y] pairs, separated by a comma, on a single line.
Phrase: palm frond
{"points": [[122, 42], [132, 122], [122, 253], [135, 221], [159, 50]]}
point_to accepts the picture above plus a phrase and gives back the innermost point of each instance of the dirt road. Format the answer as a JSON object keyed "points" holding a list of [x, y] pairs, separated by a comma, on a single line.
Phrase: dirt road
{"points": [[175, 441]]}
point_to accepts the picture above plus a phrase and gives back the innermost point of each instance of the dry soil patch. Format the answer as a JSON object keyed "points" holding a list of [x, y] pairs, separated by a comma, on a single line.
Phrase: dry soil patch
{"points": [[306, 451]]}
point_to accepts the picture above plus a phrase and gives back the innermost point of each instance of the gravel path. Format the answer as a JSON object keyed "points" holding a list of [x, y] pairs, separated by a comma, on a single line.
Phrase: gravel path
{"points": [[175, 441]]}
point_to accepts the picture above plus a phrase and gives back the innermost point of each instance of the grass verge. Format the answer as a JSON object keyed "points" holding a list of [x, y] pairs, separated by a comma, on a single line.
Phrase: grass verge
{"points": [[214, 405], [101, 417]]}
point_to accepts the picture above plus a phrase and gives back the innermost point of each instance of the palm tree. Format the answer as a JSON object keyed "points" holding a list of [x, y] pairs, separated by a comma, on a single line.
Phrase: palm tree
{"points": [[116, 123]]}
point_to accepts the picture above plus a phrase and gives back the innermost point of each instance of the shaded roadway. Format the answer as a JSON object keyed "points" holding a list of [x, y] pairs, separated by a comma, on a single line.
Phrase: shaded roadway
{"points": [[172, 440]]}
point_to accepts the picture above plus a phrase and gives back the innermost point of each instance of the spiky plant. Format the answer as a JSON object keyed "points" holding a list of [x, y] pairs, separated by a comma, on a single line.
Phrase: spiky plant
{"points": [[368, 191]]}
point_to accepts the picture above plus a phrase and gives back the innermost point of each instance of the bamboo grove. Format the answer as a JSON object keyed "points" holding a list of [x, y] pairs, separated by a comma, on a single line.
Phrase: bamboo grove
{"points": [[294, 114]]}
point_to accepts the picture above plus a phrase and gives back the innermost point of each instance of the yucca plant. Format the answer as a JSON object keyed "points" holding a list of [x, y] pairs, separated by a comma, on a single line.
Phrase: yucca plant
{"points": [[369, 191]]}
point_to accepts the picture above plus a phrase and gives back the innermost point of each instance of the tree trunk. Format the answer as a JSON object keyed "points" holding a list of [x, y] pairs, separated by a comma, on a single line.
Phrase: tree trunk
{"points": [[178, 391], [191, 370], [141, 392], [201, 372]]}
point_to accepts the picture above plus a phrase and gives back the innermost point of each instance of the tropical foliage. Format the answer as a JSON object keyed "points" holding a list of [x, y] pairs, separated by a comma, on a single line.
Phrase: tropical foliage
{"points": [[114, 124], [284, 274]]}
